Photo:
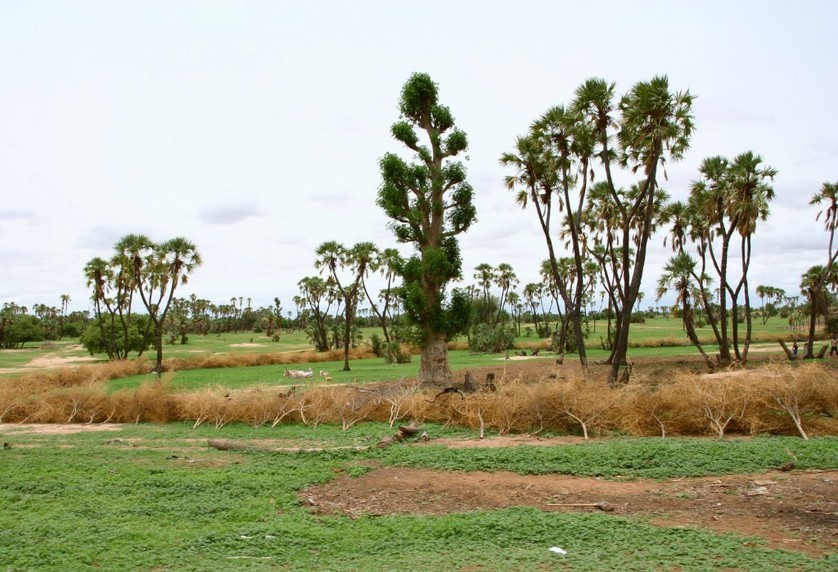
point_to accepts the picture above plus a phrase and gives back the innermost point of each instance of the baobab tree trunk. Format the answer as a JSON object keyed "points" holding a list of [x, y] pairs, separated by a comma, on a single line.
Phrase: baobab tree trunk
{"points": [[433, 362]]}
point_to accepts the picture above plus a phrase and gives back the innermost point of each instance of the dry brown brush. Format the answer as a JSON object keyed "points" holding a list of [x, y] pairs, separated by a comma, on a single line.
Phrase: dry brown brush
{"points": [[778, 398]]}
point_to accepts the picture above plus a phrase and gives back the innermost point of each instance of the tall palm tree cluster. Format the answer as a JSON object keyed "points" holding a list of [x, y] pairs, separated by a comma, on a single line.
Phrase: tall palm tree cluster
{"points": [[567, 167], [344, 287], [724, 206], [145, 269]]}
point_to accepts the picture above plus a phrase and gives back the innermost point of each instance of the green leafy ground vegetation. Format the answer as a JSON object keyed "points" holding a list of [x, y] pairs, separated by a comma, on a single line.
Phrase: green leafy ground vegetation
{"points": [[154, 497]]}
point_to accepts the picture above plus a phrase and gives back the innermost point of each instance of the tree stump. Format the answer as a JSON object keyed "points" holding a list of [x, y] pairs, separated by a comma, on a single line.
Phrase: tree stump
{"points": [[468, 383]]}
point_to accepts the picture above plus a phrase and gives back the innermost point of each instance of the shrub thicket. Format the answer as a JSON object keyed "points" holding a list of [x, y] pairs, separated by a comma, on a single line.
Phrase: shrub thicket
{"points": [[782, 398]]}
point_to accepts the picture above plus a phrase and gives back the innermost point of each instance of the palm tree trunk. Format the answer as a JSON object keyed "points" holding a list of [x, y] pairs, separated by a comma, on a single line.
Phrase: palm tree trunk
{"points": [[346, 333], [158, 342], [724, 343], [813, 320], [618, 354], [693, 336]]}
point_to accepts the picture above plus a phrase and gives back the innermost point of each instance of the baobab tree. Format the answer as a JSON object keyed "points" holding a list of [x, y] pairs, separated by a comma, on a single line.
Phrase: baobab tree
{"points": [[429, 203]]}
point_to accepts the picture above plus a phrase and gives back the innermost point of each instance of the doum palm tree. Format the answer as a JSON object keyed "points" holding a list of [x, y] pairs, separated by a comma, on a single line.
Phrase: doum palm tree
{"points": [[677, 276]]}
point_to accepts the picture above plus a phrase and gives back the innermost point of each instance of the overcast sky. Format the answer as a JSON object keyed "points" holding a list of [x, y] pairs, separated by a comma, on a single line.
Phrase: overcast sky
{"points": [[254, 129]]}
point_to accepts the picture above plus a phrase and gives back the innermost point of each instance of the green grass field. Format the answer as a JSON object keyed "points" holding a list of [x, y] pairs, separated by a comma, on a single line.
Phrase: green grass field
{"points": [[647, 340], [154, 497]]}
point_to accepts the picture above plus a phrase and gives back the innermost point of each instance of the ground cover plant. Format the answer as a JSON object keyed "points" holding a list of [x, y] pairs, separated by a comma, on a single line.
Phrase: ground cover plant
{"points": [[140, 497]]}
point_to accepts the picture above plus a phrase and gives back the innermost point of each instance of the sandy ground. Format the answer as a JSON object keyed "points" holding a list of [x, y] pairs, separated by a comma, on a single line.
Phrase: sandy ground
{"points": [[47, 361]]}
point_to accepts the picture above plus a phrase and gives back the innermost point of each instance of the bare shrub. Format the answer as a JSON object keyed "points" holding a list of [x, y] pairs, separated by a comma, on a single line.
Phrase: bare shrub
{"points": [[87, 402], [398, 396], [253, 406], [352, 404], [208, 404], [275, 358], [49, 407], [313, 405], [12, 400], [667, 342], [781, 398], [258, 406], [650, 410], [722, 398], [508, 409], [152, 401], [796, 391], [587, 402]]}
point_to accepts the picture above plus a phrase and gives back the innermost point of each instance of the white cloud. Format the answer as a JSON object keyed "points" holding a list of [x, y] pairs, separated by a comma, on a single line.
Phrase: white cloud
{"points": [[227, 214]]}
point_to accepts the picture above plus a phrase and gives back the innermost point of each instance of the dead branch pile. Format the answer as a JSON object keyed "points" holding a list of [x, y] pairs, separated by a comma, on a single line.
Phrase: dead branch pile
{"points": [[780, 398]]}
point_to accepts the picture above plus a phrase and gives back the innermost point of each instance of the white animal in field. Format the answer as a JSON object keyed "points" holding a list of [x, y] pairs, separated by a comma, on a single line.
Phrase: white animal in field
{"points": [[297, 373]]}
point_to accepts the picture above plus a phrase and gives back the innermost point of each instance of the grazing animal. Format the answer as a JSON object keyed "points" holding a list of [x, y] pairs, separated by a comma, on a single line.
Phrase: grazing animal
{"points": [[297, 373]]}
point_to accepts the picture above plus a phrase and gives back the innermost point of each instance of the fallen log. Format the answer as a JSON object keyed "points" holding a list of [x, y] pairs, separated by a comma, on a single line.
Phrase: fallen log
{"points": [[789, 354], [405, 432]]}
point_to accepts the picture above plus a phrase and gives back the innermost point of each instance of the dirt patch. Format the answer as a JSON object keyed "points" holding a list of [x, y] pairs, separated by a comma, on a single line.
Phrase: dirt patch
{"points": [[247, 345], [54, 360], [797, 511], [46, 361], [56, 428]]}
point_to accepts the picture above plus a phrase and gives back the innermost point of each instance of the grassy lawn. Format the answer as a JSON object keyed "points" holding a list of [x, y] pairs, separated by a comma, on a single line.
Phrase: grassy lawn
{"points": [[363, 370], [154, 497], [644, 337]]}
